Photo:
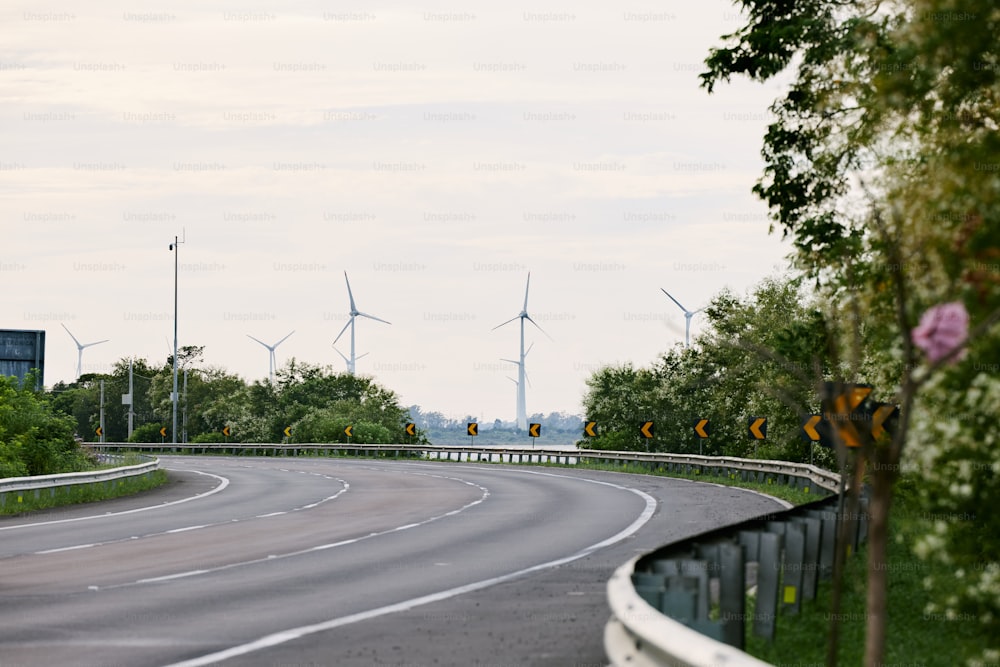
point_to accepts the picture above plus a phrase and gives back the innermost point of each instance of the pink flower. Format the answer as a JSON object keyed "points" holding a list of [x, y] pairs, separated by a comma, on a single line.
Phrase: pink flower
{"points": [[942, 329]]}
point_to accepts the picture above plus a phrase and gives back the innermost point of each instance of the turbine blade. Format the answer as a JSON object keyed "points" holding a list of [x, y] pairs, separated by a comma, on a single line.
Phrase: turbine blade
{"points": [[346, 360], [70, 334], [372, 317], [281, 341], [259, 341], [349, 323], [699, 310], [361, 355], [95, 343], [350, 295], [528, 317], [675, 300], [526, 286], [511, 361], [507, 322]]}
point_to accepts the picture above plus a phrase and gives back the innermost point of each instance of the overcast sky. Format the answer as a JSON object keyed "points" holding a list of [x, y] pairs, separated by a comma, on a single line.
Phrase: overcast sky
{"points": [[436, 153]]}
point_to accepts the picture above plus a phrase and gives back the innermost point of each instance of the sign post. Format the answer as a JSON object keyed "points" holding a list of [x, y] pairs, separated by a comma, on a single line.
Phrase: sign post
{"points": [[535, 431]]}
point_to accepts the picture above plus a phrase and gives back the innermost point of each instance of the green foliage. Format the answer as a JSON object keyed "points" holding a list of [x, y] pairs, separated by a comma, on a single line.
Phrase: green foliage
{"points": [[34, 439], [762, 355], [881, 166]]}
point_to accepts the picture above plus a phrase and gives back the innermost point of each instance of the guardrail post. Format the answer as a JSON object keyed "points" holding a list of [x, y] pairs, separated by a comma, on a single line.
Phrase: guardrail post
{"points": [[732, 593], [791, 571], [766, 609], [812, 528]]}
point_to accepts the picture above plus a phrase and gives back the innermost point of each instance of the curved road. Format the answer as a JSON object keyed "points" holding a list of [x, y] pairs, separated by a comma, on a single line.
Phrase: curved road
{"points": [[340, 562]]}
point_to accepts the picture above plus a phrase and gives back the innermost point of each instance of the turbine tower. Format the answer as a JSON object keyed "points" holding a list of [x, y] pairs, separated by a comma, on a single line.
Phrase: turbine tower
{"points": [[522, 412], [270, 349], [688, 314], [79, 349], [352, 360]]}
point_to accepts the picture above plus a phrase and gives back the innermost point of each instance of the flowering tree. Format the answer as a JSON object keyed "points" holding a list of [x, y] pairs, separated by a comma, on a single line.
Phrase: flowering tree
{"points": [[881, 165]]}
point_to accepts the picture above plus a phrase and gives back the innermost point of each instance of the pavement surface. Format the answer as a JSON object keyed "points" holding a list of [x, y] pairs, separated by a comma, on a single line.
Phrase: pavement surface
{"points": [[242, 561]]}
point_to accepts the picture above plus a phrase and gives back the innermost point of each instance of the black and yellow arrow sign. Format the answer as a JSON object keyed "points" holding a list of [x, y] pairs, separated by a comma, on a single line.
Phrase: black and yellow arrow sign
{"points": [[472, 428], [590, 429], [810, 427], [701, 428], [349, 431], [225, 431], [884, 420], [846, 409], [535, 430], [411, 429], [163, 432], [646, 429], [100, 431], [288, 431], [757, 427]]}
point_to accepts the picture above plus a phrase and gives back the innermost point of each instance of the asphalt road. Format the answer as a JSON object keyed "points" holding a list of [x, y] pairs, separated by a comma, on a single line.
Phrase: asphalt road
{"points": [[331, 562]]}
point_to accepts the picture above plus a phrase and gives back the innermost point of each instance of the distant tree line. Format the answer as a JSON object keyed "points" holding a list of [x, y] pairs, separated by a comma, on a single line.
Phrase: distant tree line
{"points": [[759, 355], [314, 402]]}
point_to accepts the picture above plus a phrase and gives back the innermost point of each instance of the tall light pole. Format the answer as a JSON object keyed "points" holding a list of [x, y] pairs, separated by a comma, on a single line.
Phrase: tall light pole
{"points": [[173, 396]]}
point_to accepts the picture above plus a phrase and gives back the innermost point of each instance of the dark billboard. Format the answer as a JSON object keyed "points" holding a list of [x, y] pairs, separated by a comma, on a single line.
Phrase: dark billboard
{"points": [[20, 352]]}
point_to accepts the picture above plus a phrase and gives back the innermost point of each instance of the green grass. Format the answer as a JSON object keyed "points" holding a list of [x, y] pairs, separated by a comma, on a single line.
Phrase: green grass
{"points": [[913, 637], [27, 501]]}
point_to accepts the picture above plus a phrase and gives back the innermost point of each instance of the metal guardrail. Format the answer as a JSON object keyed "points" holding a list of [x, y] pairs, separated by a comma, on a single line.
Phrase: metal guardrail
{"points": [[686, 603], [38, 483], [755, 470]]}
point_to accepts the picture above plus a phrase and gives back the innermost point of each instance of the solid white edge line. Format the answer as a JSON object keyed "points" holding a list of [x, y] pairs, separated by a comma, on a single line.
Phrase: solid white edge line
{"points": [[223, 485], [297, 633]]}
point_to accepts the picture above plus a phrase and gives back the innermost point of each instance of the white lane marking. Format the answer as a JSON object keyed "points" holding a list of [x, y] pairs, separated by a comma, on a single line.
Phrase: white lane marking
{"points": [[322, 547], [208, 525], [224, 483], [297, 633], [55, 551], [264, 516], [185, 529], [168, 577]]}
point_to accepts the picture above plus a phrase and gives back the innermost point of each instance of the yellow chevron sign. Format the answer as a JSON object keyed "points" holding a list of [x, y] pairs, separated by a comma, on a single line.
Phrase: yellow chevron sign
{"points": [[646, 429], [349, 431], [590, 429], [288, 431], [100, 431], [883, 413], [534, 430], [809, 426], [163, 432], [757, 427], [846, 408], [701, 428], [225, 431], [472, 428], [411, 429]]}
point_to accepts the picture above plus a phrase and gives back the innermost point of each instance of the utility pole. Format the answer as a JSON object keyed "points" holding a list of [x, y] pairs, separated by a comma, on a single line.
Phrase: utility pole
{"points": [[173, 396], [102, 410], [127, 399]]}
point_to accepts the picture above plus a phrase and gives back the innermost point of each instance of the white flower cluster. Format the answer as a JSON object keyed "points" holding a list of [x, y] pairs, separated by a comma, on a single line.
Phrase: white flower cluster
{"points": [[954, 438]]}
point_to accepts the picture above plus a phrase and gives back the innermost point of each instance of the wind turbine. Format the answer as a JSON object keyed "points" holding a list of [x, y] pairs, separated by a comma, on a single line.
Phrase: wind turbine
{"points": [[351, 362], [522, 412], [688, 314], [270, 349], [79, 348]]}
